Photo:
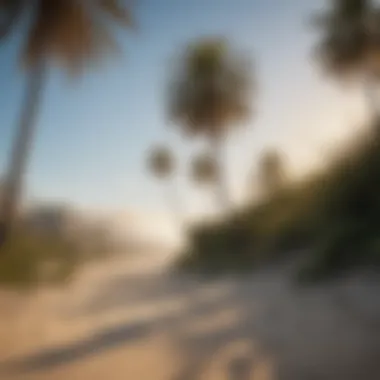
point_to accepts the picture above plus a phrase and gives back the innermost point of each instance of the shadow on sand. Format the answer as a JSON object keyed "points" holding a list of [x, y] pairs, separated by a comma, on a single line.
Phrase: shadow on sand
{"points": [[66, 354], [286, 333]]}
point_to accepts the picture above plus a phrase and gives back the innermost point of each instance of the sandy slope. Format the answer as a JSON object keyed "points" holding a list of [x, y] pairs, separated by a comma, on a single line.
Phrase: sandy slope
{"points": [[132, 320]]}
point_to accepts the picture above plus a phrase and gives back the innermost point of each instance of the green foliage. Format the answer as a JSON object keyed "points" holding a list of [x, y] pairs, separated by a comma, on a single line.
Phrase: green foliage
{"points": [[211, 89], [70, 32], [334, 215], [349, 37], [30, 259], [226, 246]]}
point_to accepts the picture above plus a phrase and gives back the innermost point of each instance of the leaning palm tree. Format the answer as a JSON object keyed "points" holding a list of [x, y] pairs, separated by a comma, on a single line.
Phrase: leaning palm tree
{"points": [[161, 163], [71, 33], [350, 44], [209, 94]]}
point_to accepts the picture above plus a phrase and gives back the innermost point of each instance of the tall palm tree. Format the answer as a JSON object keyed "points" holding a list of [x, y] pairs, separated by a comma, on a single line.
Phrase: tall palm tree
{"points": [[350, 44], [71, 33], [209, 94], [161, 163]]}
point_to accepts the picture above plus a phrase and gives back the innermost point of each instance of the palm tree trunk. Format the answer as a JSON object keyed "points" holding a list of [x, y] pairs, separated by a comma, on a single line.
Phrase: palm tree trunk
{"points": [[370, 87], [221, 182], [20, 151], [175, 204]]}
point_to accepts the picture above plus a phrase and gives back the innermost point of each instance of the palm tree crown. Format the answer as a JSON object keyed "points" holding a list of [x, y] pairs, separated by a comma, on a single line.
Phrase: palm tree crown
{"points": [[350, 43], [71, 32], [211, 88], [161, 162]]}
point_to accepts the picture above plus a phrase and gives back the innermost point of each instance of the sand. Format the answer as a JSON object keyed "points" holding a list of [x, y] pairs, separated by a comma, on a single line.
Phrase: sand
{"points": [[133, 319]]}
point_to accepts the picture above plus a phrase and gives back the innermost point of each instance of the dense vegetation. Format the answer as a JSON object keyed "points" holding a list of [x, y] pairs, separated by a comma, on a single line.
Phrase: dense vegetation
{"points": [[30, 259], [35, 256], [332, 216]]}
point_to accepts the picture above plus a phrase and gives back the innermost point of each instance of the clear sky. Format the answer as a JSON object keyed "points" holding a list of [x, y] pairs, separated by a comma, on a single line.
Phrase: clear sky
{"points": [[93, 132]]}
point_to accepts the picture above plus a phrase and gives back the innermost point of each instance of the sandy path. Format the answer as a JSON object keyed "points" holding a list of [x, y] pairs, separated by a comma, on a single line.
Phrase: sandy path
{"points": [[132, 320]]}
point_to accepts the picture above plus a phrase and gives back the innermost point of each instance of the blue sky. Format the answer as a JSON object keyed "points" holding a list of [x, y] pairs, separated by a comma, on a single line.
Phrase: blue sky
{"points": [[93, 132]]}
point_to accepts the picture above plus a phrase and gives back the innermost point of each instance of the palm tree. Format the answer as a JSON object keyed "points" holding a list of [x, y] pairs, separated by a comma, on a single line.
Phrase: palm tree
{"points": [[161, 163], [204, 170], [209, 94], [272, 172], [350, 44], [71, 33]]}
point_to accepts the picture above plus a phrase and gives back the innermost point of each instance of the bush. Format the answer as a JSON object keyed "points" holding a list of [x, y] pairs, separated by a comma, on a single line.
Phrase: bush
{"points": [[334, 213], [30, 259], [228, 245]]}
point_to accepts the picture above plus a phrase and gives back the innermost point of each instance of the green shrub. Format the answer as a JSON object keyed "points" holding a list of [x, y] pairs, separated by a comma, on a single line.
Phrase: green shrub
{"points": [[30, 259], [228, 245], [334, 214]]}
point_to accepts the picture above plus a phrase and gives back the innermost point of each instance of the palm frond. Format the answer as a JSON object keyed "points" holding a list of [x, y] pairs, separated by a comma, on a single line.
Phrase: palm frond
{"points": [[10, 12], [72, 33], [351, 9], [348, 36], [211, 88], [117, 11]]}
